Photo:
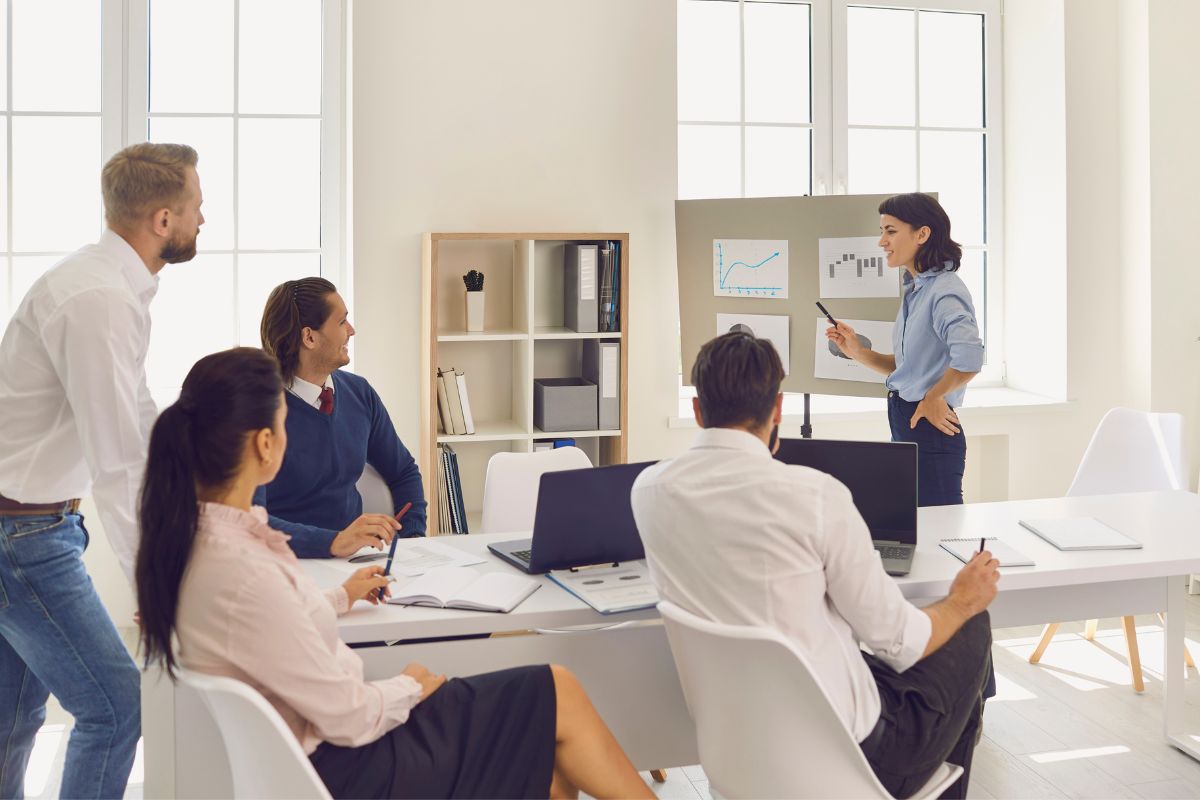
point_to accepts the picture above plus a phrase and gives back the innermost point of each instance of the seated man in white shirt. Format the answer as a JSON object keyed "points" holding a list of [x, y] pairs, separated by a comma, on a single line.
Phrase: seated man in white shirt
{"points": [[735, 536]]}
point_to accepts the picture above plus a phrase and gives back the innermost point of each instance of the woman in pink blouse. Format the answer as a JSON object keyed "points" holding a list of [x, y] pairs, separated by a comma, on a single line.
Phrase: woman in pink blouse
{"points": [[213, 573]]}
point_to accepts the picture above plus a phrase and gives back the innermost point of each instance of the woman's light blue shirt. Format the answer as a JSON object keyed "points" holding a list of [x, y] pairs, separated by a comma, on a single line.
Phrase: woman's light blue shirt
{"points": [[935, 329]]}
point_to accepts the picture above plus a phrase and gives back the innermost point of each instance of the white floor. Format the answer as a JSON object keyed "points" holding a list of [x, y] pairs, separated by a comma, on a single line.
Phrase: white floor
{"points": [[1069, 727]]}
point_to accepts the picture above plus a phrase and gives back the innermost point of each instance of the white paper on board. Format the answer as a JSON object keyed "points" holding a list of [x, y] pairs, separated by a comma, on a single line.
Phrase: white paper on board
{"points": [[839, 367], [750, 268], [775, 328], [855, 266]]}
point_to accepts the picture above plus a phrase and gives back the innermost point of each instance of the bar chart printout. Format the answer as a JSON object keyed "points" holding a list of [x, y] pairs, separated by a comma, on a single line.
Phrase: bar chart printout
{"points": [[855, 266], [750, 268]]}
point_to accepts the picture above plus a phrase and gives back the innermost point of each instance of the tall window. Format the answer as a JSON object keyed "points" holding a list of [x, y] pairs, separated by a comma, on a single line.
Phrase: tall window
{"points": [[260, 102], [903, 98], [52, 137], [246, 91]]}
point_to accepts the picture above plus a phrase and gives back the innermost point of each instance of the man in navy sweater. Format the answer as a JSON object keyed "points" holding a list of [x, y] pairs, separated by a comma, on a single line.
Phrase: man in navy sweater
{"points": [[336, 425]]}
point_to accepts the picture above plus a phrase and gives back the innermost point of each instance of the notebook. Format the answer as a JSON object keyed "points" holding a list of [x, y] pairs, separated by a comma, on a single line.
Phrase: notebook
{"points": [[609, 590], [463, 587], [965, 549], [1080, 533]]}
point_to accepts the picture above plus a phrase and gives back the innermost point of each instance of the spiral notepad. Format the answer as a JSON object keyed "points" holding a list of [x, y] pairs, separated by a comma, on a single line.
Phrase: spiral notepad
{"points": [[965, 549]]}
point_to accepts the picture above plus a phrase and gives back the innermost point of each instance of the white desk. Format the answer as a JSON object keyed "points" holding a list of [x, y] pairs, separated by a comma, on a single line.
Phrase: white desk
{"points": [[628, 671]]}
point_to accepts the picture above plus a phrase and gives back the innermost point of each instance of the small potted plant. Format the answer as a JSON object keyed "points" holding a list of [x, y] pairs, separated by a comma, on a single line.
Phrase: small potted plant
{"points": [[474, 283]]}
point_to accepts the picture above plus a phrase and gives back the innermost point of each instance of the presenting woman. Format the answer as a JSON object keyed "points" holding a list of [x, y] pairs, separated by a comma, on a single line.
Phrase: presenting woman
{"points": [[212, 572], [936, 344]]}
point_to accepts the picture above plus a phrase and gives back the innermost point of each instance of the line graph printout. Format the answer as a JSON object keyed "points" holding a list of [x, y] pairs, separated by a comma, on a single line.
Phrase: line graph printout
{"points": [[855, 266], [750, 268]]}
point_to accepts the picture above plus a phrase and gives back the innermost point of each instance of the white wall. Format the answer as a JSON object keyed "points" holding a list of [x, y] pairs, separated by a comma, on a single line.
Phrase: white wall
{"points": [[542, 115]]}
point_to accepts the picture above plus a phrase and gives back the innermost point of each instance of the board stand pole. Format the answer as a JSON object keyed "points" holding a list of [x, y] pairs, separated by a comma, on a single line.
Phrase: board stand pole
{"points": [[806, 425]]}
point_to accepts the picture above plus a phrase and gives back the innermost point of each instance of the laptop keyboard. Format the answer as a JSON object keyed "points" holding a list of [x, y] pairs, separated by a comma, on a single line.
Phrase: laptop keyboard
{"points": [[521, 555], [894, 551]]}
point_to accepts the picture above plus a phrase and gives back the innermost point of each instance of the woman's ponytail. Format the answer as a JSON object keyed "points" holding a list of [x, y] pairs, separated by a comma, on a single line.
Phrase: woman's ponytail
{"points": [[167, 518]]}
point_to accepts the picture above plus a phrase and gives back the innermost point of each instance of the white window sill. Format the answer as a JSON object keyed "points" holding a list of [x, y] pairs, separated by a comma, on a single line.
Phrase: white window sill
{"points": [[982, 402]]}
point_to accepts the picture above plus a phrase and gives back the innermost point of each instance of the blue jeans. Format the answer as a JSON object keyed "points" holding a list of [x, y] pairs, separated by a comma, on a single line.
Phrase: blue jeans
{"points": [[55, 636], [941, 459]]}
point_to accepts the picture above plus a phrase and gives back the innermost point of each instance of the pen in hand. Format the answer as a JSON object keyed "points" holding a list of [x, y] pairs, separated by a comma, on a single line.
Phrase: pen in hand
{"points": [[387, 570], [982, 543], [828, 316]]}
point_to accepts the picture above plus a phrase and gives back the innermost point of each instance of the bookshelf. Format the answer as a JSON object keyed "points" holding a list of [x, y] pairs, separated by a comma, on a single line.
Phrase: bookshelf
{"points": [[523, 338]]}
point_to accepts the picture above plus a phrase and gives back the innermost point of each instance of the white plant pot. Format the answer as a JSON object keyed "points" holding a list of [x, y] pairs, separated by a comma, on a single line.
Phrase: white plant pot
{"points": [[474, 311]]}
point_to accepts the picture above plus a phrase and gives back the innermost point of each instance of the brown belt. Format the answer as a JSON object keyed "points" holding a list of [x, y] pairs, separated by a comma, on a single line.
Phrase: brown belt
{"points": [[11, 508]]}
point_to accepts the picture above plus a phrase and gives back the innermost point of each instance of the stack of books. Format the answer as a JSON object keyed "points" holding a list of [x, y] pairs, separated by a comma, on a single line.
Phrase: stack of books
{"points": [[454, 408], [610, 287], [452, 513]]}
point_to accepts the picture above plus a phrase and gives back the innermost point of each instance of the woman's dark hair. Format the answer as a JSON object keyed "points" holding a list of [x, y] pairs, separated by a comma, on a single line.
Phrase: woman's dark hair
{"points": [[737, 377], [196, 442], [921, 211], [292, 307]]}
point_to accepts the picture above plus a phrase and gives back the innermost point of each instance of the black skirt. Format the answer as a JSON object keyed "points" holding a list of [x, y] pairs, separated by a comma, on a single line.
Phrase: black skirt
{"points": [[489, 735]]}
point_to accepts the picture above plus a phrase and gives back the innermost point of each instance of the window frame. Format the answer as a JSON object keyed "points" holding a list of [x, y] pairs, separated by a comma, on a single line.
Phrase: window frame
{"points": [[993, 373], [830, 132], [125, 106]]}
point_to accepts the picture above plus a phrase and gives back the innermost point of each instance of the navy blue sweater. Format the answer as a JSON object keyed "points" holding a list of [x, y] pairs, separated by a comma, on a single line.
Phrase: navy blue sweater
{"points": [[314, 495]]}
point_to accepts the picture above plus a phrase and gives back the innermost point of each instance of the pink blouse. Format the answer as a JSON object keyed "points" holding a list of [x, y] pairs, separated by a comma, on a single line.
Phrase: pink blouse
{"points": [[248, 611]]}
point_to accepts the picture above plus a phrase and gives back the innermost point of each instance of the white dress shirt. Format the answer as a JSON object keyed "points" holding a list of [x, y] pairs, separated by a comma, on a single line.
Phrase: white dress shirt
{"points": [[309, 392], [735, 536], [76, 411], [248, 611]]}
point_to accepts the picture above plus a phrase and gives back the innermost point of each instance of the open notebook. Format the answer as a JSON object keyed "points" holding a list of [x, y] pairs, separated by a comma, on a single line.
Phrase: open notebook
{"points": [[965, 549], [463, 587]]}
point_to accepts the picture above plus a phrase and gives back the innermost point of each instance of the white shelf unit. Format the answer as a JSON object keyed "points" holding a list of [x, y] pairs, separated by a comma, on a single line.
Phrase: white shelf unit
{"points": [[523, 338]]}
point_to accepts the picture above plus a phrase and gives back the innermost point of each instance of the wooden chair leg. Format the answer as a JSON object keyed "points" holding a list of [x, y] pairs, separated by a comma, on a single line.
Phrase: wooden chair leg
{"points": [[659, 775], [1187, 657], [1089, 631], [1047, 635], [1135, 661]]}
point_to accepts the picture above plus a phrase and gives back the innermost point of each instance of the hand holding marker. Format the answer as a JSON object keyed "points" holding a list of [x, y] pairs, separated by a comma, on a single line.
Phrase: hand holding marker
{"points": [[387, 569], [828, 316]]}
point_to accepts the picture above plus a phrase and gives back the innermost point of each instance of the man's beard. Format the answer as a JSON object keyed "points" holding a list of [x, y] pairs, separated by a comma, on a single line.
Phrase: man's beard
{"points": [[178, 250]]}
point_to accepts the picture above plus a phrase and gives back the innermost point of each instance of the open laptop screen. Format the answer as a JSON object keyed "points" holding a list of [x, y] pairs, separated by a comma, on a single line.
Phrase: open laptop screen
{"points": [[584, 517], [881, 477]]}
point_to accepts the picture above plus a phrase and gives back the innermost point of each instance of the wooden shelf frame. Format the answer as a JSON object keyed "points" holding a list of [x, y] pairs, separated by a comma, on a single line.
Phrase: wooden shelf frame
{"points": [[519, 338]]}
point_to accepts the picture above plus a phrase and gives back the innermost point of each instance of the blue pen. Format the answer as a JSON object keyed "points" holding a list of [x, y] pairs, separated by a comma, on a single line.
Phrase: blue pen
{"points": [[387, 570]]}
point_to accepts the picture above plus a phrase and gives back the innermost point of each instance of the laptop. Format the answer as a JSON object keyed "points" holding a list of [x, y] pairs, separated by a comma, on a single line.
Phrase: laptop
{"points": [[882, 479], [583, 517]]}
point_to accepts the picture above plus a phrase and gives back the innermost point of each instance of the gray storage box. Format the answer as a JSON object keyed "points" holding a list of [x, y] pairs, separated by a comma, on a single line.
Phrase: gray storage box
{"points": [[564, 404]]}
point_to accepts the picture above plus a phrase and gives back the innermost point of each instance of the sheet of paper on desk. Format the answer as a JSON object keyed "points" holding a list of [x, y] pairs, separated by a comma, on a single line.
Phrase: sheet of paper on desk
{"points": [[419, 558], [416, 557]]}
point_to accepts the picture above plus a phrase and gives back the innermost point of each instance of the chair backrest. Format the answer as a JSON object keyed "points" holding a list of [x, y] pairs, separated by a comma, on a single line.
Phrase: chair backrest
{"points": [[510, 487], [772, 734], [1132, 451], [375, 494], [265, 759]]}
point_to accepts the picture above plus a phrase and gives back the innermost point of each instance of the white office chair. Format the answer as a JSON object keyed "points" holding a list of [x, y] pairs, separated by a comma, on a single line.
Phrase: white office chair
{"points": [[264, 757], [510, 486], [1131, 451], [375, 494], [510, 491], [775, 735]]}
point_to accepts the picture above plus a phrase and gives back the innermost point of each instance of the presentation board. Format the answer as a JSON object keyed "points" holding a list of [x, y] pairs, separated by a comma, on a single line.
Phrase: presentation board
{"points": [[760, 265]]}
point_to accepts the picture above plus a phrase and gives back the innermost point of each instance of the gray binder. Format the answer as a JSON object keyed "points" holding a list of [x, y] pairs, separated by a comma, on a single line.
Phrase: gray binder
{"points": [[602, 366], [580, 302]]}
